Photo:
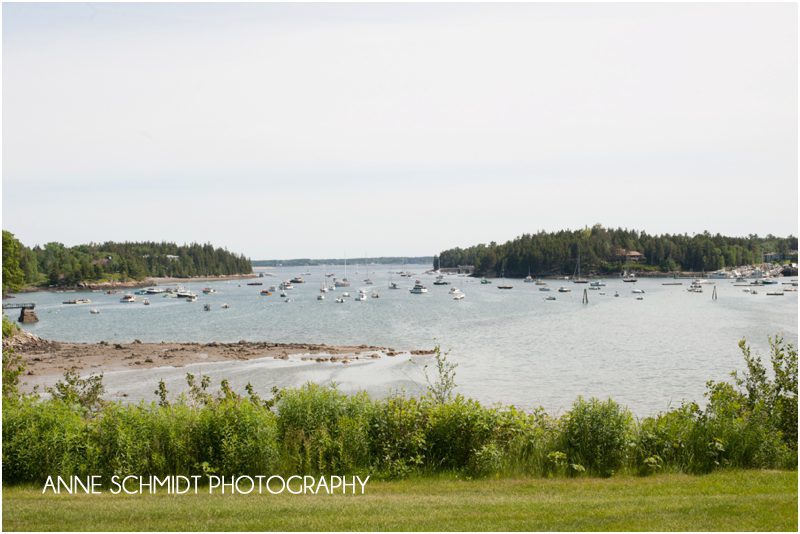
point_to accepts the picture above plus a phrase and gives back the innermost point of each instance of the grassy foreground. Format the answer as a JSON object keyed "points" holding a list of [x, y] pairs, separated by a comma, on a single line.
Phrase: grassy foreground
{"points": [[725, 500]]}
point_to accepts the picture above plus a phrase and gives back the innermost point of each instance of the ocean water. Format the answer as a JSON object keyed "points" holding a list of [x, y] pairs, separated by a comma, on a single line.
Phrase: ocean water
{"points": [[511, 346]]}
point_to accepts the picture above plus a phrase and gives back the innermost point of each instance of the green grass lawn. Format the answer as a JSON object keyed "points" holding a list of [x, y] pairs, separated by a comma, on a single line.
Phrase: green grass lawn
{"points": [[733, 500]]}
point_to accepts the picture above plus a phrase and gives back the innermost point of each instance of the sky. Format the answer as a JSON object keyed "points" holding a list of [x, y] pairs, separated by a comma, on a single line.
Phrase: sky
{"points": [[324, 130]]}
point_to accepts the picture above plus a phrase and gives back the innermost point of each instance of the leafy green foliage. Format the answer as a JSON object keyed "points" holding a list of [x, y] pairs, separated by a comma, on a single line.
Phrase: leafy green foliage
{"points": [[441, 387], [13, 275], [319, 430], [602, 250], [596, 435], [56, 264]]}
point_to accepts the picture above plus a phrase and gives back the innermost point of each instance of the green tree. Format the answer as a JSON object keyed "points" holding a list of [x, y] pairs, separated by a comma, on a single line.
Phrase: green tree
{"points": [[13, 275]]}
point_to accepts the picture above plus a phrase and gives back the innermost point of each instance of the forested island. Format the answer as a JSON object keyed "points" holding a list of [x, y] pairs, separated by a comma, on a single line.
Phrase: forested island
{"points": [[55, 264], [604, 250], [383, 260]]}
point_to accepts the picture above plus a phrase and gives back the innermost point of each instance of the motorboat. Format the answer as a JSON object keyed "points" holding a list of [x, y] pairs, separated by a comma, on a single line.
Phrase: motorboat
{"points": [[94, 311], [639, 291], [191, 298], [320, 297], [341, 283], [255, 283], [297, 280], [597, 283], [418, 288], [375, 295], [458, 295], [128, 298], [287, 285], [284, 294], [550, 297], [266, 292], [485, 281], [209, 290], [207, 307], [563, 289], [544, 289], [440, 281], [146, 302], [346, 294], [540, 282], [361, 297], [394, 285], [155, 290], [225, 306], [77, 301], [340, 300]]}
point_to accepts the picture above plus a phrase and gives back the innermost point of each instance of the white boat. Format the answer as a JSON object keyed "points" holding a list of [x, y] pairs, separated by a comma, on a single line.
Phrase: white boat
{"points": [[418, 288], [638, 291], [597, 283], [375, 295], [340, 300], [286, 285], [361, 297], [343, 282], [209, 290], [563, 289], [94, 311], [155, 290], [540, 282], [146, 302], [225, 306], [128, 298], [544, 289], [454, 290], [346, 294], [192, 298], [458, 295], [185, 293]]}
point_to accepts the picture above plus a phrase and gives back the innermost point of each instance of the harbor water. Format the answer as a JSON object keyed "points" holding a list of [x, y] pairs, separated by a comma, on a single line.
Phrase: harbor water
{"points": [[511, 346]]}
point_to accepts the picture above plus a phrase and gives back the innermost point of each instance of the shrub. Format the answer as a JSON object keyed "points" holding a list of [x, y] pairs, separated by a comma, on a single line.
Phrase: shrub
{"points": [[596, 434], [324, 431]]}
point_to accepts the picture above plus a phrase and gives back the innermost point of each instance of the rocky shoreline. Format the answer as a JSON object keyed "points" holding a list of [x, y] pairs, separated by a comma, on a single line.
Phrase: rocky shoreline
{"points": [[50, 358], [145, 282]]}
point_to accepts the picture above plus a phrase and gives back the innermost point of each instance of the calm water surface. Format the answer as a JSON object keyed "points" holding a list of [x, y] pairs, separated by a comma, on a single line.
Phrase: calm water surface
{"points": [[511, 347]]}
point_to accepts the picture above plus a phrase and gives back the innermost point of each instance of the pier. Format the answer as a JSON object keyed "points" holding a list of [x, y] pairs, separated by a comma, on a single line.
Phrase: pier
{"points": [[26, 313]]}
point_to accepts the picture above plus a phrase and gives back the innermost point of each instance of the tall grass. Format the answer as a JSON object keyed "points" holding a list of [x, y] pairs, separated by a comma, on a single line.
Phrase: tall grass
{"points": [[319, 430]]}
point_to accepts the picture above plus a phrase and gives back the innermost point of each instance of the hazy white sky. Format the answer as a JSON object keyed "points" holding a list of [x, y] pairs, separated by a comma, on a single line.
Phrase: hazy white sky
{"points": [[306, 130]]}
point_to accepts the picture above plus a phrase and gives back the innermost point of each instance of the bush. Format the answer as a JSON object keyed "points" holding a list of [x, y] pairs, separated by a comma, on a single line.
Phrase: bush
{"points": [[324, 431], [596, 435], [42, 439]]}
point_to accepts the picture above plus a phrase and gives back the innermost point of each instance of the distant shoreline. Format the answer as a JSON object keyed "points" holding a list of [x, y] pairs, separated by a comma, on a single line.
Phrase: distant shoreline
{"points": [[145, 282]]}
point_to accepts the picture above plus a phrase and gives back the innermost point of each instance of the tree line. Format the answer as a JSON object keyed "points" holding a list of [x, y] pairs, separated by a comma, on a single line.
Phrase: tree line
{"points": [[604, 250], [55, 264]]}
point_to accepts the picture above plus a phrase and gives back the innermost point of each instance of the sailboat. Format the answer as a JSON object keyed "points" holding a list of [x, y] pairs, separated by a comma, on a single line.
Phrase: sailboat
{"points": [[343, 282], [576, 279], [504, 285], [529, 278]]}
